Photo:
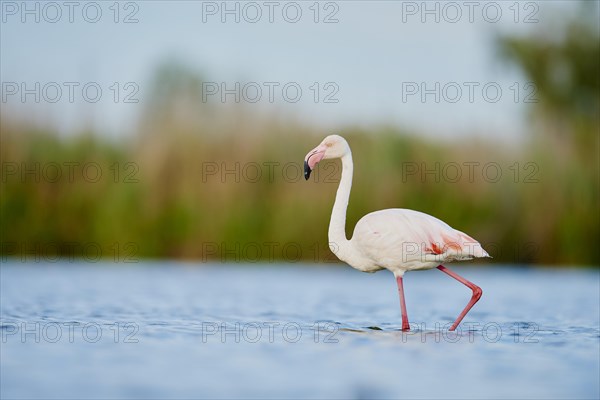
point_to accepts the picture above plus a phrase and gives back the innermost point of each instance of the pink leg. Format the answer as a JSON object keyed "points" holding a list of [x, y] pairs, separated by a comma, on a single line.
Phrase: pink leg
{"points": [[477, 292], [405, 325]]}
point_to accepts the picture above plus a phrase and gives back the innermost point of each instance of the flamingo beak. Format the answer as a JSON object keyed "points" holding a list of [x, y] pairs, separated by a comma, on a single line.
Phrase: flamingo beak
{"points": [[312, 159], [307, 170]]}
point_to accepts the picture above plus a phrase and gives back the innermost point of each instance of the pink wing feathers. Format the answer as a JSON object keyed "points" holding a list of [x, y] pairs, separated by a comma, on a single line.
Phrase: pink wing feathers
{"points": [[409, 239]]}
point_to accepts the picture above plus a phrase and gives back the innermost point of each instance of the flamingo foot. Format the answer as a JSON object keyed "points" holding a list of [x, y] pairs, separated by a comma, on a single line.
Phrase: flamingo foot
{"points": [[477, 292]]}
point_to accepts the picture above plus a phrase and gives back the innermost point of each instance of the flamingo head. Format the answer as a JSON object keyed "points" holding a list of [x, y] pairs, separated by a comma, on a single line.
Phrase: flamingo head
{"points": [[333, 146]]}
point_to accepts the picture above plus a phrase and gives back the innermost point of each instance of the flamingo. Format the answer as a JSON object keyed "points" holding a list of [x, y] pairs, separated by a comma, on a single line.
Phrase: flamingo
{"points": [[396, 239]]}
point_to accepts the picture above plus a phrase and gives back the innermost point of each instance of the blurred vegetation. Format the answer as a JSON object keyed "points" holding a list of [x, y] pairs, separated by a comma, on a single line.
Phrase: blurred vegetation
{"points": [[213, 182]]}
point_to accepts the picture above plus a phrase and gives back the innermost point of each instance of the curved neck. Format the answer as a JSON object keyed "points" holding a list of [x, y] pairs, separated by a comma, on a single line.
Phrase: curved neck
{"points": [[337, 224]]}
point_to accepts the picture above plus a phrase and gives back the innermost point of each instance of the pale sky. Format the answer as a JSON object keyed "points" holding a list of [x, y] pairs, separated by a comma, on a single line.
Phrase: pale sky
{"points": [[376, 60]]}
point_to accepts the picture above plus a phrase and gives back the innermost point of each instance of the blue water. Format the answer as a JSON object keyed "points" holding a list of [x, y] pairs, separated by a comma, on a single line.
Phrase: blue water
{"points": [[159, 330]]}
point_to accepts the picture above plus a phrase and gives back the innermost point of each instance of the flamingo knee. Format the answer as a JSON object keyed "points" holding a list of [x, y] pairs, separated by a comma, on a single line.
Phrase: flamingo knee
{"points": [[477, 293]]}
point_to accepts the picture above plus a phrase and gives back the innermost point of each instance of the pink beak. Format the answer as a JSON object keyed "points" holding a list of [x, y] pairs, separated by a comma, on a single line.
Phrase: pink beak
{"points": [[312, 158]]}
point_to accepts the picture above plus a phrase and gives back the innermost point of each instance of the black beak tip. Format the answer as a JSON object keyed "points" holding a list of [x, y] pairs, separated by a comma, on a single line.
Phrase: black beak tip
{"points": [[307, 170]]}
